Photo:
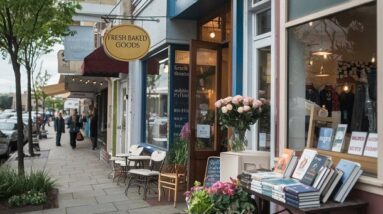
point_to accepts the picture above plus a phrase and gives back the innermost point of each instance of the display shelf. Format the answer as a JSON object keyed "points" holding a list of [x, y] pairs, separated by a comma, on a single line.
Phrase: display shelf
{"points": [[369, 164]]}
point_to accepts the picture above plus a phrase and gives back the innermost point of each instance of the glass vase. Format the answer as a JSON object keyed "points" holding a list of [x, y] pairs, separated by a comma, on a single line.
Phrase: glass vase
{"points": [[238, 141]]}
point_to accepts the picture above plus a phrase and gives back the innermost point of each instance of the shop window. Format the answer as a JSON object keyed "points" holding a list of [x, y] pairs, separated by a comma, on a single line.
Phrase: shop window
{"points": [[332, 84], [264, 82], [299, 8], [157, 90], [264, 22]]}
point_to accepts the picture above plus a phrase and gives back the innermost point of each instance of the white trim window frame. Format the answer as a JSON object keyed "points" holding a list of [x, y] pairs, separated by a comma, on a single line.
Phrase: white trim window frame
{"points": [[365, 183], [254, 42]]}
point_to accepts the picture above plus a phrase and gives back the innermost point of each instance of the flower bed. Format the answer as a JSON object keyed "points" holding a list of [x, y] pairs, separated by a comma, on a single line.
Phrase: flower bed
{"points": [[221, 197]]}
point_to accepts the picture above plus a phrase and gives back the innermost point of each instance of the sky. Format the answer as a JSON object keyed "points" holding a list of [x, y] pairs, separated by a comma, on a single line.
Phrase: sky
{"points": [[49, 63]]}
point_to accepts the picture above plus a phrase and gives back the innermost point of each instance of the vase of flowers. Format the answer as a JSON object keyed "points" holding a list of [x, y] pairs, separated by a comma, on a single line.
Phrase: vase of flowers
{"points": [[239, 113]]}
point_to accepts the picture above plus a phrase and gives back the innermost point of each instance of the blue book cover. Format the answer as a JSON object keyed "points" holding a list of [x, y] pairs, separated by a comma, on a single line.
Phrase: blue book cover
{"points": [[318, 162], [325, 139], [299, 189], [349, 169]]}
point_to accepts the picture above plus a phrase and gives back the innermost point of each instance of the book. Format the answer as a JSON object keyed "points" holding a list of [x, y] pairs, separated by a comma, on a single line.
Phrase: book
{"points": [[316, 165], [344, 195], [371, 149], [321, 176], [279, 184], [304, 163], [283, 161], [329, 189], [301, 198], [301, 190], [290, 167], [325, 139], [337, 145], [350, 170], [300, 203], [326, 180], [265, 175], [357, 142]]}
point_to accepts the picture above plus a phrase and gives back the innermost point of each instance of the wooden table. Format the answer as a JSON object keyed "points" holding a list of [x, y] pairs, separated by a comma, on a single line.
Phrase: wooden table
{"points": [[263, 204]]}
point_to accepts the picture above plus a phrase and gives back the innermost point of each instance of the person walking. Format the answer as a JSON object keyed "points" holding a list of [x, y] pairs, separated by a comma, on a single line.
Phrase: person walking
{"points": [[74, 125], [93, 129], [59, 126]]}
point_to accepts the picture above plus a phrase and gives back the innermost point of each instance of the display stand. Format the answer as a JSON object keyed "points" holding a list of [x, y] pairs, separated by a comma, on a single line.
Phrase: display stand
{"points": [[263, 204], [369, 164]]}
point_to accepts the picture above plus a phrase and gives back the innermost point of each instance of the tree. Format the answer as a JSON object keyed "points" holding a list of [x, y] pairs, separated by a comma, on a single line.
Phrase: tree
{"points": [[39, 81], [22, 22]]}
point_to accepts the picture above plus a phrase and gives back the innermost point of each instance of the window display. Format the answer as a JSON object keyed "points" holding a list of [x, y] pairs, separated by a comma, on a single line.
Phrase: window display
{"points": [[333, 80]]}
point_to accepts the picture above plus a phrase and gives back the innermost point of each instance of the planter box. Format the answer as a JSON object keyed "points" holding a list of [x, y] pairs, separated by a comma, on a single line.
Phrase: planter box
{"points": [[233, 163]]}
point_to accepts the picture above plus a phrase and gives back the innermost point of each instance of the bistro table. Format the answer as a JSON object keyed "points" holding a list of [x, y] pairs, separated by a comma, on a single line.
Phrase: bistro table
{"points": [[140, 159], [263, 203]]}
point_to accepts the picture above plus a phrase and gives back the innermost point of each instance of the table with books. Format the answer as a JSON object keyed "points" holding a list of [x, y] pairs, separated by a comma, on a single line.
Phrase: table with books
{"points": [[307, 185]]}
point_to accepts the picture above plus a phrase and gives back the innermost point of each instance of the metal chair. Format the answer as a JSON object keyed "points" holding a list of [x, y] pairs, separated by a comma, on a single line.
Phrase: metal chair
{"points": [[145, 177], [122, 165]]}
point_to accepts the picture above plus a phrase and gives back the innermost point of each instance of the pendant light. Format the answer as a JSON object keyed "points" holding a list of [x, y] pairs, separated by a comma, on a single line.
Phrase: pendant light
{"points": [[321, 72], [322, 51]]}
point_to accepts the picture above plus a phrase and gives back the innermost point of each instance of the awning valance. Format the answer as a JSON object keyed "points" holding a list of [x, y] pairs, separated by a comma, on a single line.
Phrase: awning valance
{"points": [[54, 89], [99, 64]]}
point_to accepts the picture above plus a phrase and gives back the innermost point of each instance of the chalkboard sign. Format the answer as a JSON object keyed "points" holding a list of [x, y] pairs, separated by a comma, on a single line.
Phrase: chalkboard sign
{"points": [[212, 173]]}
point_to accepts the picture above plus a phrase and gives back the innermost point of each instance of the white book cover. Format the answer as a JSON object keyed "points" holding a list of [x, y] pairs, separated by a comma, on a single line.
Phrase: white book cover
{"points": [[339, 137], [304, 163], [371, 149], [358, 139]]}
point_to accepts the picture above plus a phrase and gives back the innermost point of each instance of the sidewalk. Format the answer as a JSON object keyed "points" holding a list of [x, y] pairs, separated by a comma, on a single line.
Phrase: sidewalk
{"points": [[83, 182]]}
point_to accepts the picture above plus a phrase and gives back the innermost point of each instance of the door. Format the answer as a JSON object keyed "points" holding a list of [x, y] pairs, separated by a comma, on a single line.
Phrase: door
{"points": [[204, 89], [121, 128]]}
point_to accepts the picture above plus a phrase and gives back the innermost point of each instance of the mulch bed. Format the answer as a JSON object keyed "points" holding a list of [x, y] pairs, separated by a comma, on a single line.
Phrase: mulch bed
{"points": [[52, 202]]}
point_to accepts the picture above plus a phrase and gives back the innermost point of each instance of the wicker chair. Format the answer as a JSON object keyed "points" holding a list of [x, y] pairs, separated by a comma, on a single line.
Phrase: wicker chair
{"points": [[172, 178], [145, 177]]}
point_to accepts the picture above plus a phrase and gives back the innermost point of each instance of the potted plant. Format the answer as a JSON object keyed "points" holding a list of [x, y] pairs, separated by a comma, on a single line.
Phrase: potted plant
{"points": [[239, 113]]}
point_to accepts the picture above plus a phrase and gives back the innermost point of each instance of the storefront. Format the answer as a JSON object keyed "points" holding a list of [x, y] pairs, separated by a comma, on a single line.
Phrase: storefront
{"points": [[331, 55]]}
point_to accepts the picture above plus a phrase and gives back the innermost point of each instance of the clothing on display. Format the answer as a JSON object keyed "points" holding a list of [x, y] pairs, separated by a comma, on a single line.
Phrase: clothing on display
{"points": [[312, 94], [346, 100], [330, 99]]}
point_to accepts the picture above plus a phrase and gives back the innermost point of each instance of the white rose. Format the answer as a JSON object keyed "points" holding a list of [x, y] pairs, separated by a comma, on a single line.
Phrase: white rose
{"points": [[229, 107], [246, 108], [224, 109], [240, 110]]}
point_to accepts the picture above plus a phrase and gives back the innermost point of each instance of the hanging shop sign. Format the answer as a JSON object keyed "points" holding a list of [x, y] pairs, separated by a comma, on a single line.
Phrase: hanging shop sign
{"points": [[126, 42]]}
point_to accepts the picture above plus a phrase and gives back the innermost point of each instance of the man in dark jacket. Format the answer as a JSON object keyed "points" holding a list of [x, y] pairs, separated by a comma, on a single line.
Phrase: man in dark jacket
{"points": [[74, 126], [59, 126], [93, 129]]}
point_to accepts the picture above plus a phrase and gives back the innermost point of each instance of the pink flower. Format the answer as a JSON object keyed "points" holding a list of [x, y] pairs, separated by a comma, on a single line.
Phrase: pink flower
{"points": [[240, 110], [218, 103], [228, 99], [257, 103], [229, 107], [185, 132], [246, 101], [246, 108]]}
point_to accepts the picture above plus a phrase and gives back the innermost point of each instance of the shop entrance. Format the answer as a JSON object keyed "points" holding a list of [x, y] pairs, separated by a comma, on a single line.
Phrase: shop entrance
{"points": [[206, 70]]}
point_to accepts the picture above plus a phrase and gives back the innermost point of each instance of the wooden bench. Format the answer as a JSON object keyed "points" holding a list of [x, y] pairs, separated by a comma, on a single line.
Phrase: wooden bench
{"points": [[263, 204]]}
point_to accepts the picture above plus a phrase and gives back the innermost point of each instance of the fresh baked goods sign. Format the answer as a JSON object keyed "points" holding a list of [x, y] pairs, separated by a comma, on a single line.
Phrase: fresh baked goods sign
{"points": [[126, 42]]}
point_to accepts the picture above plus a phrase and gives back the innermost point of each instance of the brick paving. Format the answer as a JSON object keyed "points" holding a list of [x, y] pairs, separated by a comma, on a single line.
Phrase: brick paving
{"points": [[83, 183]]}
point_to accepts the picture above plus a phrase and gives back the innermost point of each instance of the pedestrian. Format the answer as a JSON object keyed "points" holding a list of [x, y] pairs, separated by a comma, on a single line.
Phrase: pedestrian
{"points": [[59, 126], [74, 125], [93, 129]]}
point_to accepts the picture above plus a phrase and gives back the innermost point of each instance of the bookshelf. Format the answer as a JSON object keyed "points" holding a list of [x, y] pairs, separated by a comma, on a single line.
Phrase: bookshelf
{"points": [[369, 164]]}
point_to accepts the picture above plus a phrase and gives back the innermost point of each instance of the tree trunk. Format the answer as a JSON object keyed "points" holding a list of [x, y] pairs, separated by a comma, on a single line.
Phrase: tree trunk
{"points": [[30, 142], [20, 126]]}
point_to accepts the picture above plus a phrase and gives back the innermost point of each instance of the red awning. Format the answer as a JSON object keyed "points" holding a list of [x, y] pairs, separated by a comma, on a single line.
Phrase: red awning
{"points": [[99, 64]]}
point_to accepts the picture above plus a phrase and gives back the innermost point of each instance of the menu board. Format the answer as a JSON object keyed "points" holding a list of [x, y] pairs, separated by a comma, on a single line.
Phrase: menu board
{"points": [[180, 96], [213, 173]]}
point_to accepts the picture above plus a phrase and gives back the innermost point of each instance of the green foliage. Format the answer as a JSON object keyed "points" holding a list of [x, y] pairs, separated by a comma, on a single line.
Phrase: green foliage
{"points": [[200, 203], [55, 103], [179, 152], [30, 197], [13, 184]]}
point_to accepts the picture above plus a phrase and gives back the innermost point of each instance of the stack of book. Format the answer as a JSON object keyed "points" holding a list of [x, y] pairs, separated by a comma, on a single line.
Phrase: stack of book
{"points": [[351, 173], [302, 196], [275, 187], [258, 178]]}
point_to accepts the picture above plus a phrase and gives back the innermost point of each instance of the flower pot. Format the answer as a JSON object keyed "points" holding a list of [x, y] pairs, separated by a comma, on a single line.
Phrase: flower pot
{"points": [[238, 141]]}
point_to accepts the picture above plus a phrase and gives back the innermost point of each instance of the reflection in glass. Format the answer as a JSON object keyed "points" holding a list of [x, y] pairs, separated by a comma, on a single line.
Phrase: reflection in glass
{"points": [[157, 89], [332, 68], [264, 22], [205, 98], [299, 8], [264, 91]]}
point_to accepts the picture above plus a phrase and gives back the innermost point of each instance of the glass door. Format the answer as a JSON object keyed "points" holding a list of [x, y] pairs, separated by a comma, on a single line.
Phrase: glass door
{"points": [[121, 128], [204, 89]]}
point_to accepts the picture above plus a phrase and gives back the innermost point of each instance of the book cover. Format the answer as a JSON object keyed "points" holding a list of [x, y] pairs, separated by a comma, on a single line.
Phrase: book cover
{"points": [[337, 145], [371, 149], [301, 189], [349, 169], [325, 139], [328, 191], [321, 177], [265, 175], [301, 198], [304, 163], [344, 194], [283, 161], [316, 165], [290, 167], [280, 183], [357, 142]]}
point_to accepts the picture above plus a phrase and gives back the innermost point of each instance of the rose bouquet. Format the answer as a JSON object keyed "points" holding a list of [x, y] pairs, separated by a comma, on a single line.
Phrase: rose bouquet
{"points": [[239, 113], [221, 197]]}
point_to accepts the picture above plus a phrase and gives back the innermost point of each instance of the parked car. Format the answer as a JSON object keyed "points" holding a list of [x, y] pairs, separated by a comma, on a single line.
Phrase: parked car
{"points": [[10, 129], [7, 115], [5, 145], [25, 121]]}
